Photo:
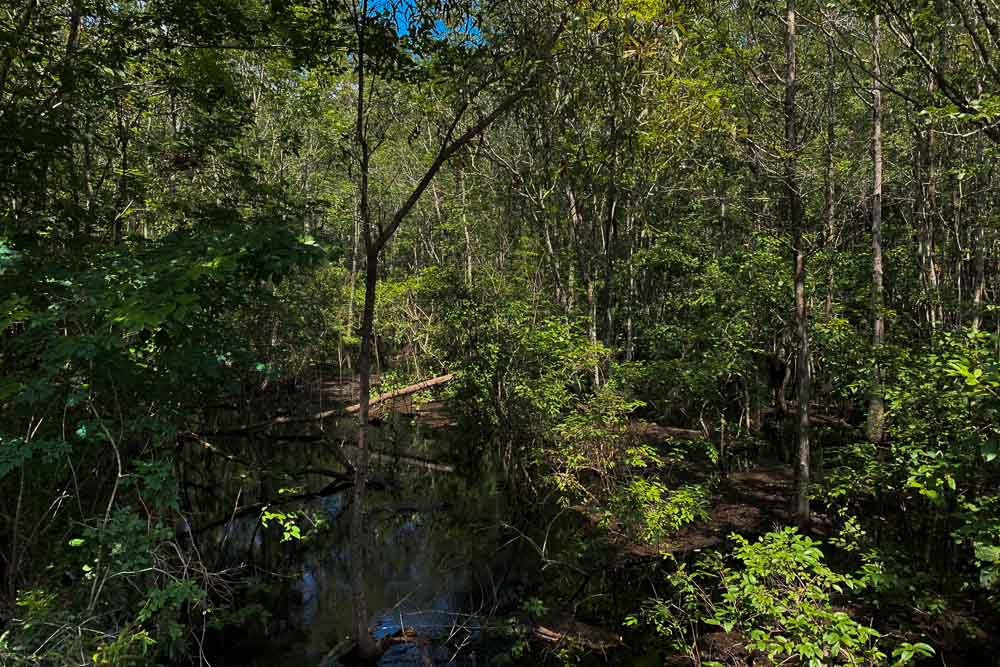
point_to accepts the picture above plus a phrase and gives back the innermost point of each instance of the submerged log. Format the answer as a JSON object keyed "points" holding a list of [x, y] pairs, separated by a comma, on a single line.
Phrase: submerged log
{"points": [[345, 653], [562, 627], [406, 459], [337, 654]]}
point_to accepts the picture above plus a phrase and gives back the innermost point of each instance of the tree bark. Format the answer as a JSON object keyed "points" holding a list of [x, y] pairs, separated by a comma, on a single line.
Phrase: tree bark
{"points": [[979, 277], [829, 189], [796, 222], [121, 196], [928, 200], [367, 649], [359, 532], [979, 240], [465, 229], [876, 401]]}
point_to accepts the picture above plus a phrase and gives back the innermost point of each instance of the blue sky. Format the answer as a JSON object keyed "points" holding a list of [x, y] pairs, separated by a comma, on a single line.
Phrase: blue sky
{"points": [[403, 10]]}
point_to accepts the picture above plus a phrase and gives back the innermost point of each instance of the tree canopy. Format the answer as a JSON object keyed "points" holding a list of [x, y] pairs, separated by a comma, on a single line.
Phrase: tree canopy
{"points": [[663, 251]]}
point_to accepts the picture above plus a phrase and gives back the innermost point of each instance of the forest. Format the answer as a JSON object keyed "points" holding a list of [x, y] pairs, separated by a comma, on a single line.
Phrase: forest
{"points": [[499, 332]]}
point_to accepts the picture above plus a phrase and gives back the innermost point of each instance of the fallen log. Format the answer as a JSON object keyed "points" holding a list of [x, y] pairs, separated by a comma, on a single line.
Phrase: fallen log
{"points": [[339, 411], [405, 391], [656, 431]]}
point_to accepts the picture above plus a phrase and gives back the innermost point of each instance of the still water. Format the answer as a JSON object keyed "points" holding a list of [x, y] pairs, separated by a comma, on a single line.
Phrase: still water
{"points": [[443, 557]]}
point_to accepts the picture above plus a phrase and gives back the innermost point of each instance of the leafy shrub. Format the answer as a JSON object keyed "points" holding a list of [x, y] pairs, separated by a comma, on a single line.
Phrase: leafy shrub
{"points": [[782, 600], [651, 512], [938, 468], [781, 597]]}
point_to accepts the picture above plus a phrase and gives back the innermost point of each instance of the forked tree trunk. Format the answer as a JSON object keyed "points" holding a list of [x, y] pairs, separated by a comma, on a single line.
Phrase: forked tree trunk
{"points": [[375, 241]]}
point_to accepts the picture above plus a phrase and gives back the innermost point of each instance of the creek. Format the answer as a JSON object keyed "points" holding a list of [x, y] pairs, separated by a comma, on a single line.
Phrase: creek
{"points": [[444, 555]]}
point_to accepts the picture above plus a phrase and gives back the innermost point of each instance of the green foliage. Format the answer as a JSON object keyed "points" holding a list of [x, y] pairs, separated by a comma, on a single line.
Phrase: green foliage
{"points": [[181, 228], [290, 529], [942, 408], [521, 371], [783, 600], [651, 512], [780, 596], [130, 647]]}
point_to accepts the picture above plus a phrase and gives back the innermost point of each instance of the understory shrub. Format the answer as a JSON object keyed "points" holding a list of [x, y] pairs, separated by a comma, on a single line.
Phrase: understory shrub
{"points": [[780, 596]]}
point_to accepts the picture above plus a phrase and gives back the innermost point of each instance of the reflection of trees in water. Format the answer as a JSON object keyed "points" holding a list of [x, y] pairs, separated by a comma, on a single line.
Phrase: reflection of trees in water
{"points": [[433, 534]]}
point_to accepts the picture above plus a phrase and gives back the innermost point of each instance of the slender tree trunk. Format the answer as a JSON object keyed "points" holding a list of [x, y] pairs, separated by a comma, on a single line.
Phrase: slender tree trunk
{"points": [[928, 201], [630, 298], [592, 330], [958, 263], [979, 277], [828, 176], [607, 293], [354, 272], [587, 274], [88, 178], [876, 401], [363, 639], [979, 238], [796, 222], [556, 270], [465, 229], [117, 231], [359, 529], [68, 90]]}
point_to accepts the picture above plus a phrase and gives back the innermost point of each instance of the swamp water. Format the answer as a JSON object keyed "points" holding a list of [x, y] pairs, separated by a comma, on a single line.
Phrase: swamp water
{"points": [[443, 556]]}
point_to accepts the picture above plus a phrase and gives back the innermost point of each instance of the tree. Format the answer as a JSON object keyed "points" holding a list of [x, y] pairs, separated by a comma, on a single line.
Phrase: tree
{"points": [[480, 99], [796, 223], [876, 406]]}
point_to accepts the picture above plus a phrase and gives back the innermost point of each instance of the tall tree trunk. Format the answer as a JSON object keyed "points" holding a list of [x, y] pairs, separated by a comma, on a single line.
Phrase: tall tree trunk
{"points": [[958, 261], [630, 297], [796, 222], [359, 529], [876, 401], [363, 639], [586, 271], [607, 293], [121, 197], [561, 297], [928, 201], [829, 189], [88, 178], [592, 329], [978, 237]]}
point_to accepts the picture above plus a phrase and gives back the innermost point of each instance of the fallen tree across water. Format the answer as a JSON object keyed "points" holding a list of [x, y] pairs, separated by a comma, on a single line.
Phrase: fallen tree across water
{"points": [[338, 411], [405, 391]]}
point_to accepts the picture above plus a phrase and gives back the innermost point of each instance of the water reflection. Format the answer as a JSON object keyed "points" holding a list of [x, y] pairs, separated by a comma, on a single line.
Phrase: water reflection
{"points": [[438, 552]]}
